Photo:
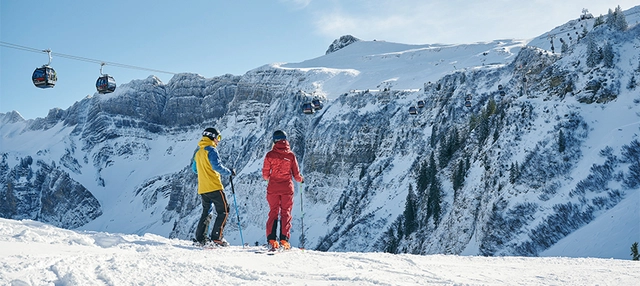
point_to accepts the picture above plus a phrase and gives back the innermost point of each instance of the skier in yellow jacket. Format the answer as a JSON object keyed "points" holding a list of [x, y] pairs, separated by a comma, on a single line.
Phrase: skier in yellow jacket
{"points": [[206, 163]]}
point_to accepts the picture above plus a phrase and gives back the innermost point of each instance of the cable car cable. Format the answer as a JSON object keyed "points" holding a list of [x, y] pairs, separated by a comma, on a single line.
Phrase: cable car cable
{"points": [[102, 63], [29, 49], [89, 60]]}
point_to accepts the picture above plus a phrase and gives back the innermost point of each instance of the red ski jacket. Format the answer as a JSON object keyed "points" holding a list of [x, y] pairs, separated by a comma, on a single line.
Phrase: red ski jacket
{"points": [[280, 165]]}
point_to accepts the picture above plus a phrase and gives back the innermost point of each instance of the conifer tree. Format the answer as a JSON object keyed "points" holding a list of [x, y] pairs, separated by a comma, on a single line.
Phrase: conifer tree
{"points": [[599, 21], [632, 82], [608, 55], [584, 33], [593, 54], [514, 173], [611, 18], [434, 200], [391, 238], [631, 154], [410, 212], [458, 176], [635, 255], [564, 48], [423, 178], [617, 20], [562, 142]]}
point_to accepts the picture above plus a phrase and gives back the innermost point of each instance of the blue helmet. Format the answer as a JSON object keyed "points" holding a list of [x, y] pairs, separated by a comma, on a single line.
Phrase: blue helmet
{"points": [[279, 135]]}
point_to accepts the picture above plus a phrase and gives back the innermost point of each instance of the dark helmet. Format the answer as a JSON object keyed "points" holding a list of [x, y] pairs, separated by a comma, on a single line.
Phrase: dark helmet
{"points": [[279, 135], [211, 133]]}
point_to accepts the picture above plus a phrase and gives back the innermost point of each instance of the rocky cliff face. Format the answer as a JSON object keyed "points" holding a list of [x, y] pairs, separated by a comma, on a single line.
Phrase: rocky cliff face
{"points": [[41, 191], [499, 161]]}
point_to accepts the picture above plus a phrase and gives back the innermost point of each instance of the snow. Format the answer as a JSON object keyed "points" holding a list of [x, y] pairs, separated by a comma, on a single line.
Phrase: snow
{"points": [[609, 234], [33, 253], [375, 65]]}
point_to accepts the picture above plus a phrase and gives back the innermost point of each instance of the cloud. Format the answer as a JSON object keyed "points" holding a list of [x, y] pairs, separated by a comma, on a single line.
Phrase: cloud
{"points": [[451, 21], [406, 21]]}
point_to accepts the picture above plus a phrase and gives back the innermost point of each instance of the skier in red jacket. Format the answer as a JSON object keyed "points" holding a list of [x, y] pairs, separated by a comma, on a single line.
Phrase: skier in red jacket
{"points": [[280, 165]]}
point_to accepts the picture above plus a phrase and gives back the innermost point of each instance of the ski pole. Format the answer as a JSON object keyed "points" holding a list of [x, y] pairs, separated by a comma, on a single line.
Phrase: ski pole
{"points": [[302, 215], [233, 191]]}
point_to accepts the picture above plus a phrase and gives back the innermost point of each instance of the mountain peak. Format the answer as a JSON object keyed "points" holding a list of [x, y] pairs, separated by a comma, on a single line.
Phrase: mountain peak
{"points": [[11, 117], [341, 43]]}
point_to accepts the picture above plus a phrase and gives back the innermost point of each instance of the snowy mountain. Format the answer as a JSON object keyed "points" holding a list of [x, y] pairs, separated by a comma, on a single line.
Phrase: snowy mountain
{"points": [[518, 148]]}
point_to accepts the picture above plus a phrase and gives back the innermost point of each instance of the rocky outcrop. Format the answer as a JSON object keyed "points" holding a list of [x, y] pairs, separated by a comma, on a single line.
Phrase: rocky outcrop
{"points": [[42, 192], [341, 43]]}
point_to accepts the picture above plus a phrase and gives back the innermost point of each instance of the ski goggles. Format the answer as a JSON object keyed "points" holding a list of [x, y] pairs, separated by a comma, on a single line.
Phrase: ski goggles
{"points": [[212, 135]]}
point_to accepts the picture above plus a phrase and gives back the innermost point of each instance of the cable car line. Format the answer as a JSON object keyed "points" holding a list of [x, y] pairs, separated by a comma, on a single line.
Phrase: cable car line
{"points": [[72, 57], [46, 77]]}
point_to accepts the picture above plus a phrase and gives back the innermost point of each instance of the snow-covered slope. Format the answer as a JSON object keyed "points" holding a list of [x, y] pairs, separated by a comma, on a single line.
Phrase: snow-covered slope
{"points": [[515, 150], [33, 253], [376, 65]]}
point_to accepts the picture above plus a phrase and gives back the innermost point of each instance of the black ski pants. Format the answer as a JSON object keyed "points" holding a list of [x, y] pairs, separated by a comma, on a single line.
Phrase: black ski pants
{"points": [[219, 201]]}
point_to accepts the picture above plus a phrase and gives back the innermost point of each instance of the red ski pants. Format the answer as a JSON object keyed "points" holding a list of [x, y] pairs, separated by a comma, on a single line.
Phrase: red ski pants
{"points": [[279, 206]]}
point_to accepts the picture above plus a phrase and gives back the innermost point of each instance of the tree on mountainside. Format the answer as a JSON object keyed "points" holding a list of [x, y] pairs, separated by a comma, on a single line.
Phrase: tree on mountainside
{"points": [[564, 48], [562, 142], [434, 200], [457, 177], [631, 155], [617, 20], [610, 18], [608, 55], [390, 240], [422, 181], [514, 172], [598, 21], [410, 212], [593, 54], [448, 146]]}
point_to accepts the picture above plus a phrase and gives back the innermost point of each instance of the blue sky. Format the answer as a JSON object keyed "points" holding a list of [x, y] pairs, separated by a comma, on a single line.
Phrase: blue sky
{"points": [[213, 38]]}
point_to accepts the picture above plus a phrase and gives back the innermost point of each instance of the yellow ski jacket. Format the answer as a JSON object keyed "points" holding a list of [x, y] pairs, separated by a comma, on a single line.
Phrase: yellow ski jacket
{"points": [[206, 163]]}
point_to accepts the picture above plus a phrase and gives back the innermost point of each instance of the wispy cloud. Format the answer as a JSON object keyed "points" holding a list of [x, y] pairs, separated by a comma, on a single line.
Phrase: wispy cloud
{"points": [[450, 21]]}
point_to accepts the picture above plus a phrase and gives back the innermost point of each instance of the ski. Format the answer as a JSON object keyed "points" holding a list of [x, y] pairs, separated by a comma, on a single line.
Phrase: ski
{"points": [[272, 251], [268, 252], [206, 246]]}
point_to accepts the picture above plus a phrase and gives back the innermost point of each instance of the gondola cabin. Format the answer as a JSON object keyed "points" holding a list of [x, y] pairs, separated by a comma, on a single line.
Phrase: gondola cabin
{"points": [[44, 77], [316, 104], [413, 110], [420, 103], [468, 98], [307, 108], [105, 84], [467, 103], [500, 87], [502, 93]]}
